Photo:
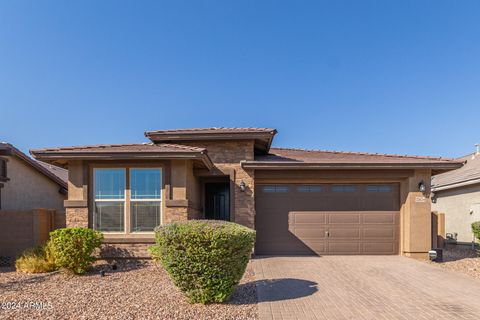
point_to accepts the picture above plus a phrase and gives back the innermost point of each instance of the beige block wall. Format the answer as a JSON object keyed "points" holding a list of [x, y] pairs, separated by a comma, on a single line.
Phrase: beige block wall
{"points": [[461, 207], [29, 189]]}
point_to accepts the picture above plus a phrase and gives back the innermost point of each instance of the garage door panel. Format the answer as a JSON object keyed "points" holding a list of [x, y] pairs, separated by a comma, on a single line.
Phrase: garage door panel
{"points": [[309, 232], [319, 247], [379, 217], [343, 218], [289, 247], [344, 247], [343, 233], [388, 233], [380, 248], [307, 217]]}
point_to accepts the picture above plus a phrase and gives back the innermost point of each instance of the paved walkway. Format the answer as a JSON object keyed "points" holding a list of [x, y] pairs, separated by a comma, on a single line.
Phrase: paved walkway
{"points": [[362, 287]]}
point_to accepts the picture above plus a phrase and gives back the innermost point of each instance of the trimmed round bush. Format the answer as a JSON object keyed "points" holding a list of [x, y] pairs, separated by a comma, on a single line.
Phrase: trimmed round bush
{"points": [[72, 248], [476, 229], [205, 258]]}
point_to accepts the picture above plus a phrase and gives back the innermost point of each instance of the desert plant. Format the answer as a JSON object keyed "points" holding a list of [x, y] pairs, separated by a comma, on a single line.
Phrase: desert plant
{"points": [[476, 229], [205, 259], [35, 260], [72, 248]]}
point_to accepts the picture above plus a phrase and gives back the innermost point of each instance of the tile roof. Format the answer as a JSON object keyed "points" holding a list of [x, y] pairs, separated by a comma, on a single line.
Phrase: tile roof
{"points": [[62, 155], [121, 148], [327, 156], [212, 130], [469, 173], [57, 171]]}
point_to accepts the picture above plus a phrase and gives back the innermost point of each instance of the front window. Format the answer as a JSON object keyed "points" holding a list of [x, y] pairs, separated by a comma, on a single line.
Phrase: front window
{"points": [[118, 208], [145, 190], [109, 210]]}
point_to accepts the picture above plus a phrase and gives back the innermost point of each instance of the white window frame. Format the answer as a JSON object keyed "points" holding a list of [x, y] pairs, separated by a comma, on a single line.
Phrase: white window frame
{"points": [[127, 199], [159, 200], [124, 200]]}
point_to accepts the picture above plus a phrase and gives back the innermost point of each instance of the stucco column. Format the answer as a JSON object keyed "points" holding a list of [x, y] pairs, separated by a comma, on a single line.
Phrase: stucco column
{"points": [[176, 203], [416, 216], [76, 207]]}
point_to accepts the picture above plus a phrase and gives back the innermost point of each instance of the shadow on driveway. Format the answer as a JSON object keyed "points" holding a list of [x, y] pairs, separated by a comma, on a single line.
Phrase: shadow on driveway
{"points": [[281, 289]]}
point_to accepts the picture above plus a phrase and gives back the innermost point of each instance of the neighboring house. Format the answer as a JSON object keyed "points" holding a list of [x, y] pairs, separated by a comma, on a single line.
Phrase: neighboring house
{"points": [[457, 195], [299, 201], [27, 184]]}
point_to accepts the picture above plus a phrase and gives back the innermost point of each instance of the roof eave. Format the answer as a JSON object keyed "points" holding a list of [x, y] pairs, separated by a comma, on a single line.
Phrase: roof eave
{"points": [[455, 185], [269, 165], [69, 156]]}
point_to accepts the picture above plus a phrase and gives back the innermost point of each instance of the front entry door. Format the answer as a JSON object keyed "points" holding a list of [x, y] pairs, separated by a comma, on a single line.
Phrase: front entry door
{"points": [[217, 201]]}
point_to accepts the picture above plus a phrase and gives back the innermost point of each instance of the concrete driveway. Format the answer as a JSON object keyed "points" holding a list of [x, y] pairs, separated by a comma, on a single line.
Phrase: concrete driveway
{"points": [[362, 287]]}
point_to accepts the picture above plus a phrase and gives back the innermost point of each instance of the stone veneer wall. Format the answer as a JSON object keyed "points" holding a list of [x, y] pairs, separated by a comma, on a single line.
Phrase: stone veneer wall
{"points": [[76, 217], [226, 155]]}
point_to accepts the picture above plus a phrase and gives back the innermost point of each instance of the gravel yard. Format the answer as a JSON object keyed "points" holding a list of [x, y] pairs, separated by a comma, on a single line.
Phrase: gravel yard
{"points": [[133, 291], [461, 259]]}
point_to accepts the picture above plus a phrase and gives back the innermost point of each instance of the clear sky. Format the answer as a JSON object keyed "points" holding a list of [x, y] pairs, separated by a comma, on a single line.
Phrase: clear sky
{"points": [[376, 76]]}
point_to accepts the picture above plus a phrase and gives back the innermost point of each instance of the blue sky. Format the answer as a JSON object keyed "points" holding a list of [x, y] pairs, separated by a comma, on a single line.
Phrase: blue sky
{"points": [[374, 76]]}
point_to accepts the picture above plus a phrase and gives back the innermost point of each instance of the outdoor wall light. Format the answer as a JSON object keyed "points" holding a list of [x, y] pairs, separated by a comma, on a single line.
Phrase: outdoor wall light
{"points": [[242, 186], [421, 186]]}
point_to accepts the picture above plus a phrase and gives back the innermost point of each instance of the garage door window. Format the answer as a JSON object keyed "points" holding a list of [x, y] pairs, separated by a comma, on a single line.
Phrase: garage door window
{"points": [[275, 189], [344, 188], [309, 189], [379, 188]]}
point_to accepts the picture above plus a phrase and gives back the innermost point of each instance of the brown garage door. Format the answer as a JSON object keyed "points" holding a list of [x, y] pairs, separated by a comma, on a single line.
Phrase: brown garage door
{"points": [[327, 219]]}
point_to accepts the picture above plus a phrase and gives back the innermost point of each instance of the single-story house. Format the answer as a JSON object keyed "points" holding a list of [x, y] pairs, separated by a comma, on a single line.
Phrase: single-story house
{"points": [[298, 201], [457, 194]]}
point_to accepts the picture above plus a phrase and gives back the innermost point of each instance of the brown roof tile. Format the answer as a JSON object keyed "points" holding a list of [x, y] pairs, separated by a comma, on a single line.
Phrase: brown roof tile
{"points": [[328, 156], [62, 155], [285, 158], [109, 148]]}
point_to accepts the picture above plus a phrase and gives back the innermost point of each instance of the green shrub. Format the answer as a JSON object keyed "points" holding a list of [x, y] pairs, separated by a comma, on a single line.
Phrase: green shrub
{"points": [[35, 260], [205, 259], [476, 229], [72, 248]]}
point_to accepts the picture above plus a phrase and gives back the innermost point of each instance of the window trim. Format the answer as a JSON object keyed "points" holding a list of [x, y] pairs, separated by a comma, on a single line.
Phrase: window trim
{"points": [[127, 167], [344, 188], [159, 200], [308, 187], [369, 187], [124, 200], [275, 186]]}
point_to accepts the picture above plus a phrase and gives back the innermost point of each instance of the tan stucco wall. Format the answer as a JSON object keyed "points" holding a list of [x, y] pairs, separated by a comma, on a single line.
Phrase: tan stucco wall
{"points": [[456, 204], [416, 216], [29, 189]]}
